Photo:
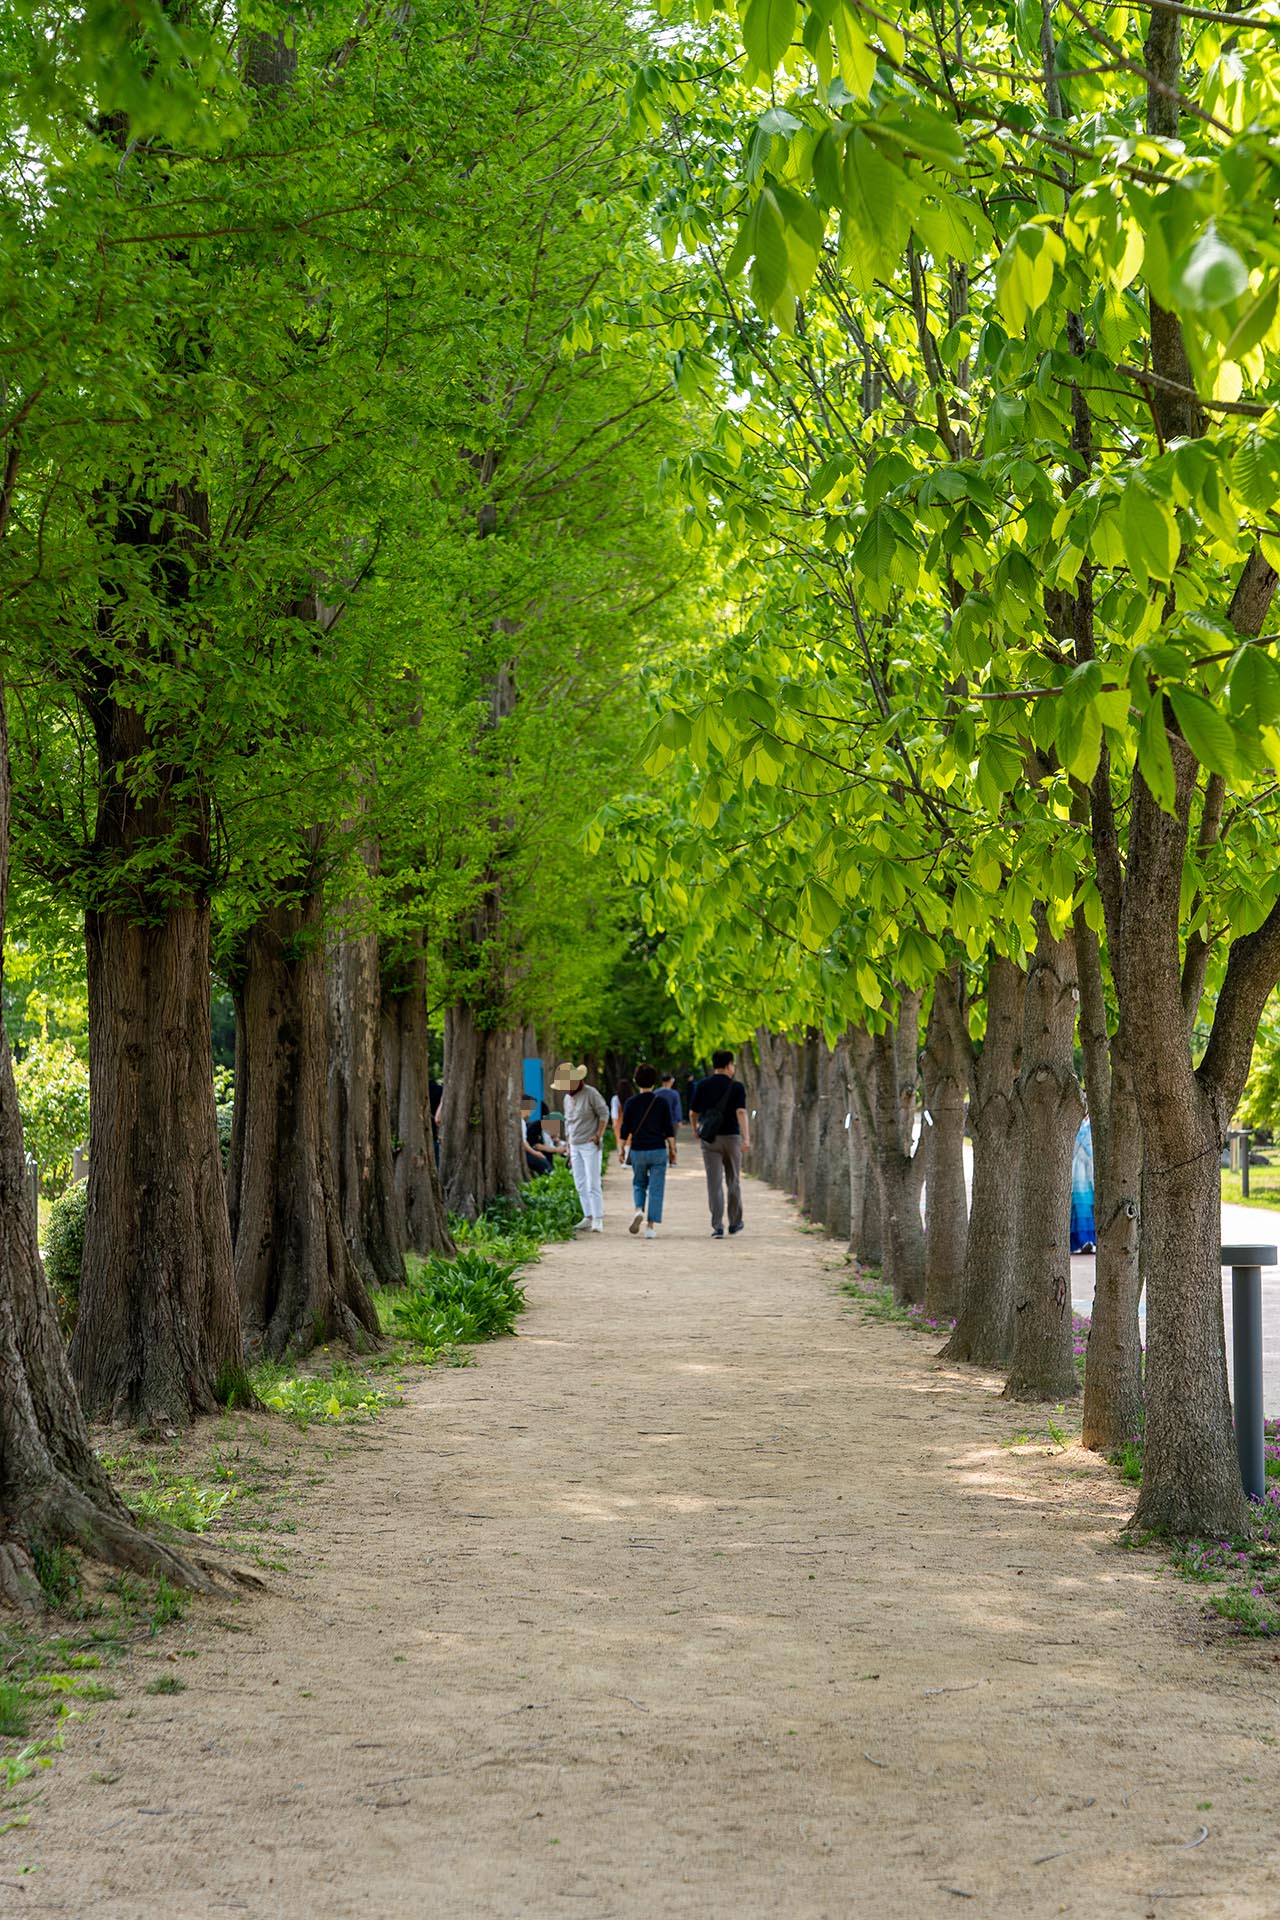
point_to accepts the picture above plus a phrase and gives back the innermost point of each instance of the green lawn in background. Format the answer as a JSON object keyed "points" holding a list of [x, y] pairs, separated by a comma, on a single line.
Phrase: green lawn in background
{"points": [[1264, 1185]]}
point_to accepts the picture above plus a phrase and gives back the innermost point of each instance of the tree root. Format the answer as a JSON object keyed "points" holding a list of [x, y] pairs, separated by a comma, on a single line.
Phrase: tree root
{"points": [[67, 1517]]}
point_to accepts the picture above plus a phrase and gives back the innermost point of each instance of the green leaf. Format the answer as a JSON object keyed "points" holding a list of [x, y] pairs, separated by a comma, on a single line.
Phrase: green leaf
{"points": [[1155, 761], [1255, 687], [1210, 275], [1150, 533], [856, 54], [820, 909], [768, 28], [1205, 731]]}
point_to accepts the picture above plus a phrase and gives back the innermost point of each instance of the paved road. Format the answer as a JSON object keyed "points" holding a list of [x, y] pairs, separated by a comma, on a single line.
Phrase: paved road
{"points": [[1241, 1226]]}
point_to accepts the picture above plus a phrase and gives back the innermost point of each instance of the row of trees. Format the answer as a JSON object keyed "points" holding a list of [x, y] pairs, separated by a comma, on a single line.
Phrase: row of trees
{"points": [[326, 556], [986, 738]]}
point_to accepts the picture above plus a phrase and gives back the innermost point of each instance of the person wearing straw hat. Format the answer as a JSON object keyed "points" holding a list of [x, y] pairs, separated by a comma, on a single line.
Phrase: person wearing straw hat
{"points": [[585, 1119]]}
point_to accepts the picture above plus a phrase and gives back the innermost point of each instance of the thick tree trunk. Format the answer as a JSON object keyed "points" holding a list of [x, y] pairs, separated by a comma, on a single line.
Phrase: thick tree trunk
{"points": [[808, 1121], [359, 1123], [984, 1332], [479, 1122], [945, 1066], [1050, 1108], [839, 1212], [298, 1280], [157, 1339], [1113, 1366], [1191, 1477], [53, 1492], [405, 1057], [889, 1102], [865, 1243]]}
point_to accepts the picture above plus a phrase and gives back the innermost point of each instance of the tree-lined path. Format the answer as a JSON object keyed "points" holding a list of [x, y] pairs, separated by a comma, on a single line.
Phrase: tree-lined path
{"points": [[703, 1597]]}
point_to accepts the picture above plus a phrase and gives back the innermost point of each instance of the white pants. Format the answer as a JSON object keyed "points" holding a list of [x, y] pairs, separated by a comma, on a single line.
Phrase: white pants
{"points": [[585, 1162]]}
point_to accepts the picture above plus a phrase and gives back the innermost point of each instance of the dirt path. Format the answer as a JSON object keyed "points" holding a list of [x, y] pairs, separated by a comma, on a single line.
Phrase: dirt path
{"points": [[702, 1598]]}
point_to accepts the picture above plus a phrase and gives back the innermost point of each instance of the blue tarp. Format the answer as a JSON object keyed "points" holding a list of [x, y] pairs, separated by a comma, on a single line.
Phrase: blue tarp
{"points": [[1083, 1231]]}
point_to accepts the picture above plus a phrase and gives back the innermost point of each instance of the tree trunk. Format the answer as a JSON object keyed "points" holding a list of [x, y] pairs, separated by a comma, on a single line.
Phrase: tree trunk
{"points": [[298, 1280], [946, 1066], [866, 1244], [157, 1339], [405, 1056], [889, 1102], [984, 1332], [1113, 1364], [808, 1122], [359, 1123], [479, 1122], [53, 1492], [839, 1212], [1191, 1477], [1050, 1108]]}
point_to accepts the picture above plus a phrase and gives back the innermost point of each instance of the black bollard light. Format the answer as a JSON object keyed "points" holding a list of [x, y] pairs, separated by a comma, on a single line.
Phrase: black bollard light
{"points": [[1246, 1264]]}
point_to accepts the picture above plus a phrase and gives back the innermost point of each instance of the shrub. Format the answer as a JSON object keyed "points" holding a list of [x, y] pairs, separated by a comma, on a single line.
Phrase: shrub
{"points": [[53, 1099], [548, 1208], [457, 1303], [64, 1251]]}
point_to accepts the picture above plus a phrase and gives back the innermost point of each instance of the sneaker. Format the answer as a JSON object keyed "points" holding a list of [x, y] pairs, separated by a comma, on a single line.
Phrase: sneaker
{"points": [[717, 1233], [597, 1226], [584, 1224], [738, 1228], [651, 1233], [636, 1224]]}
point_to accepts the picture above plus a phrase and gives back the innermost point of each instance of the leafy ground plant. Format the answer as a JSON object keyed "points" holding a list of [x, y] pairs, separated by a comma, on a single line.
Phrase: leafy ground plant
{"points": [[459, 1302]]}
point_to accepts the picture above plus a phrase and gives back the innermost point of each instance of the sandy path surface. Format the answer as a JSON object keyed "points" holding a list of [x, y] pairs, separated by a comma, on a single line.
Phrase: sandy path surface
{"points": [[704, 1597]]}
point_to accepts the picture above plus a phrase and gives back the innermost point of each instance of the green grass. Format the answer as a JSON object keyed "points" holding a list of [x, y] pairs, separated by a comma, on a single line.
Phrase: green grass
{"points": [[15, 1711], [341, 1392], [1264, 1187]]}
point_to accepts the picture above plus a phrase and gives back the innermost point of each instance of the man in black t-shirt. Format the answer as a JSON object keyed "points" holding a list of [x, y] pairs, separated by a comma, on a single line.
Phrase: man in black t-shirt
{"points": [[718, 1107]]}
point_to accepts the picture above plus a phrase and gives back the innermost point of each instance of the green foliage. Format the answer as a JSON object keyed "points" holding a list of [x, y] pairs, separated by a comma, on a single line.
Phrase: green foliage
{"points": [[64, 1252], [340, 1394], [15, 1711], [53, 1099], [459, 1302], [548, 1208], [181, 1500]]}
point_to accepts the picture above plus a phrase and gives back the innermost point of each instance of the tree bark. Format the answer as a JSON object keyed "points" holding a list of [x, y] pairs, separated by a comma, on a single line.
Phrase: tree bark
{"points": [[946, 1066], [808, 1122], [479, 1130], [839, 1213], [359, 1123], [53, 1492], [1113, 1365], [1050, 1108], [984, 1332], [157, 1338], [888, 1097], [865, 1243], [298, 1280], [405, 1056]]}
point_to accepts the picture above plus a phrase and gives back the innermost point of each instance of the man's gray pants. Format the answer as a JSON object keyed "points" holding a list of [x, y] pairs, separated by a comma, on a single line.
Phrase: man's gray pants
{"points": [[722, 1158]]}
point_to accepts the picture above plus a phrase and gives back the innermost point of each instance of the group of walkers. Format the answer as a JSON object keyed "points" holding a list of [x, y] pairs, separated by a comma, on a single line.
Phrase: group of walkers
{"points": [[647, 1120]]}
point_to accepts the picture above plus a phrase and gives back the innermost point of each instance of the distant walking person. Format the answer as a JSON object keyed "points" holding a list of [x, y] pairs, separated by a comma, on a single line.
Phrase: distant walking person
{"points": [[649, 1137], [621, 1095], [718, 1110], [667, 1092], [585, 1119]]}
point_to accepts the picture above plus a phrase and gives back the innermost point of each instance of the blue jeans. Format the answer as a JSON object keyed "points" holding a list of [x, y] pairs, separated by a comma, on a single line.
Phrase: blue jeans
{"points": [[649, 1180]]}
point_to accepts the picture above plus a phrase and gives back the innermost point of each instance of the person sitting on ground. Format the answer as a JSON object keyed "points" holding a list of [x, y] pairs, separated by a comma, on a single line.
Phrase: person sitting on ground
{"points": [[539, 1154], [649, 1138]]}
